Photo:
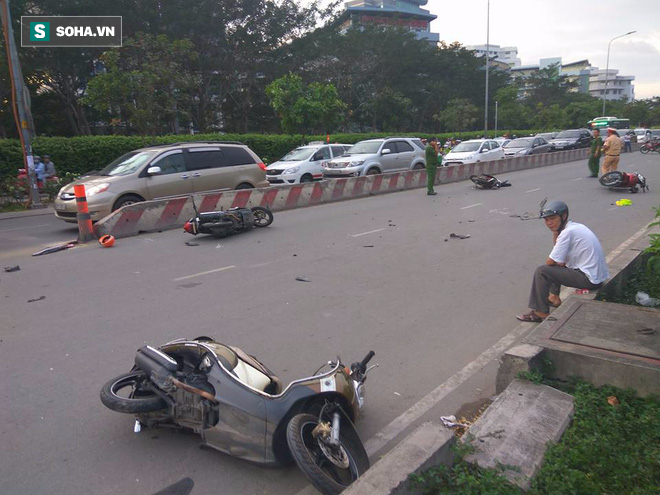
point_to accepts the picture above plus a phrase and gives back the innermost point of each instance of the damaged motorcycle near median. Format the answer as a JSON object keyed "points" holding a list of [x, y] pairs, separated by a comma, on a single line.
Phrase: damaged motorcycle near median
{"points": [[238, 406]]}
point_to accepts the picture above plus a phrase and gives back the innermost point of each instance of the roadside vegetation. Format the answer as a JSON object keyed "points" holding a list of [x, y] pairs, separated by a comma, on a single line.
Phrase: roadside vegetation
{"points": [[611, 447]]}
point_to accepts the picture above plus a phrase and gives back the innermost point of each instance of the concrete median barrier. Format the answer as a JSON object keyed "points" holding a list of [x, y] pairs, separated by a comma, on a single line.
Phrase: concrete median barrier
{"points": [[152, 216]]}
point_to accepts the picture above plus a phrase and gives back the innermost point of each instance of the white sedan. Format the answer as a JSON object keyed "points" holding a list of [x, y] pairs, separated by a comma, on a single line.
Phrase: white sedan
{"points": [[474, 151]]}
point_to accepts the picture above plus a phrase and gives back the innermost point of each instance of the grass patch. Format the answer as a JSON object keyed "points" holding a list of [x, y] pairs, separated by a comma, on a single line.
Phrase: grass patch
{"points": [[611, 447]]}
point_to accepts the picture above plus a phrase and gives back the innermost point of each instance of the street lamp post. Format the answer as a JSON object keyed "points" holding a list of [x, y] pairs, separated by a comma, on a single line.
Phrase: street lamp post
{"points": [[607, 67], [487, 63]]}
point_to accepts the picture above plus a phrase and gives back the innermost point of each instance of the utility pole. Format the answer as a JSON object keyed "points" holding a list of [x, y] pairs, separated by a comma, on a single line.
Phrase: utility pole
{"points": [[21, 106], [487, 64]]}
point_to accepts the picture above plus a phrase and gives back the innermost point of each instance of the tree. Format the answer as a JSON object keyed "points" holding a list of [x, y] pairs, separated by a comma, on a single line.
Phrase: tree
{"points": [[147, 84], [308, 109], [547, 86], [459, 115]]}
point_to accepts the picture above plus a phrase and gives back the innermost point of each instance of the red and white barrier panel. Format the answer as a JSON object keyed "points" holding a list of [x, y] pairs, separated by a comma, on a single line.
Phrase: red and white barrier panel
{"points": [[150, 216]]}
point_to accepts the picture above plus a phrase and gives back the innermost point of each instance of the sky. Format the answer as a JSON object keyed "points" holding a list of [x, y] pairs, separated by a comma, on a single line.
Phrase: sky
{"points": [[571, 29]]}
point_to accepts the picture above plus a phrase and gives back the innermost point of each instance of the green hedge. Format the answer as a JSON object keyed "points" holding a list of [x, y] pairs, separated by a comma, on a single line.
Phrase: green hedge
{"points": [[82, 154]]}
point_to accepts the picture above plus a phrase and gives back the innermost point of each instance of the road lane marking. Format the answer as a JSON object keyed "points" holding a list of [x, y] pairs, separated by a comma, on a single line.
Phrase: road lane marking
{"points": [[471, 206], [533, 190], [203, 273], [579, 178], [23, 228], [365, 233]]}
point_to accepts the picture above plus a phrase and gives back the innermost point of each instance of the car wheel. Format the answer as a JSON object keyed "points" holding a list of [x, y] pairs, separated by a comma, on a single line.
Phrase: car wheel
{"points": [[306, 178], [126, 200], [244, 185], [373, 171], [419, 166]]}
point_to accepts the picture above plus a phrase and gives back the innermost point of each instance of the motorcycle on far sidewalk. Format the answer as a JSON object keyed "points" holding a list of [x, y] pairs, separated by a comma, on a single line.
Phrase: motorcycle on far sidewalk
{"points": [[238, 406]]}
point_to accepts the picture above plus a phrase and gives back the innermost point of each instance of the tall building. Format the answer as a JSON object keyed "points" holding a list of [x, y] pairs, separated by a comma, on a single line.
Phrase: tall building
{"points": [[618, 87], [505, 54], [403, 13]]}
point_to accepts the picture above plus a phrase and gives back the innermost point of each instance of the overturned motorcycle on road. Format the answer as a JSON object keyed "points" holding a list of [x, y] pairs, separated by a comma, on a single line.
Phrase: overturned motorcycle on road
{"points": [[238, 406], [232, 221]]}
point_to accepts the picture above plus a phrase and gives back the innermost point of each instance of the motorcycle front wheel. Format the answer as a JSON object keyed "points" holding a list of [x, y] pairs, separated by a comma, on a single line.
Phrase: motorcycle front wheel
{"points": [[128, 393], [263, 217], [329, 469], [644, 149], [611, 179]]}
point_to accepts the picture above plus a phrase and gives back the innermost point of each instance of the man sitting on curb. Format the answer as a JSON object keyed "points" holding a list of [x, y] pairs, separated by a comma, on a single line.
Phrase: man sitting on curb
{"points": [[576, 260]]}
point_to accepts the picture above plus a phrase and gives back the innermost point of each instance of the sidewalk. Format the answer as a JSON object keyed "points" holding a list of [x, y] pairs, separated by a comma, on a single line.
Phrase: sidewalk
{"points": [[47, 210]]}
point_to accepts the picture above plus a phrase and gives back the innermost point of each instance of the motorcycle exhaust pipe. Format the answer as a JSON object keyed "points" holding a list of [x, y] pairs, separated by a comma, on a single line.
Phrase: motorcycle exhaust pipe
{"points": [[334, 433]]}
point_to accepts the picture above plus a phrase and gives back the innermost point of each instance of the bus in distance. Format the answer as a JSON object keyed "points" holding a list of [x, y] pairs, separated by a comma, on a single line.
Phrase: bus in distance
{"points": [[602, 123]]}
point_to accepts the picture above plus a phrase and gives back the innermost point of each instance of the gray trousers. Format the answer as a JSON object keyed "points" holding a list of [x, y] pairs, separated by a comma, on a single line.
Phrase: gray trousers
{"points": [[549, 279]]}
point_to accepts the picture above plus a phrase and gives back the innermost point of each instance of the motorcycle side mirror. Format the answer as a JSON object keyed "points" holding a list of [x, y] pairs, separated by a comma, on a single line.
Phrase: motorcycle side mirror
{"points": [[155, 170]]}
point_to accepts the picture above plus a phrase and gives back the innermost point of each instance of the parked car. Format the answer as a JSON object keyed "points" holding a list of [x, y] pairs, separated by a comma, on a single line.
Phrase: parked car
{"points": [[643, 135], [474, 151], [164, 171], [378, 156], [571, 139], [304, 164], [526, 146], [547, 135], [502, 140]]}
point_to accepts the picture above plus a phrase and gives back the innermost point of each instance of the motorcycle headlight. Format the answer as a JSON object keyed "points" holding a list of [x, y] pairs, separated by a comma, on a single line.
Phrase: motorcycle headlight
{"points": [[292, 170], [96, 189]]}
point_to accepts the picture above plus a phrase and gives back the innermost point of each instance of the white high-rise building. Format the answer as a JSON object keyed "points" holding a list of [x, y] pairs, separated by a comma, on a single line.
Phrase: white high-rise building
{"points": [[505, 54], [618, 87]]}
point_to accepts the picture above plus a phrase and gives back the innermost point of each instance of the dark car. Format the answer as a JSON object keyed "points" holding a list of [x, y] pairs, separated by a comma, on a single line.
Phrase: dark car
{"points": [[571, 139]]}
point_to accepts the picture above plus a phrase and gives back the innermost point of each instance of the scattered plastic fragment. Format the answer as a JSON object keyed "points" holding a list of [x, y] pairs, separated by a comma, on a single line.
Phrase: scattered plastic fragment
{"points": [[397, 393], [40, 298], [459, 236], [642, 331], [644, 299], [192, 243], [12, 268], [55, 249], [451, 422], [368, 245], [623, 202], [582, 291], [303, 279]]}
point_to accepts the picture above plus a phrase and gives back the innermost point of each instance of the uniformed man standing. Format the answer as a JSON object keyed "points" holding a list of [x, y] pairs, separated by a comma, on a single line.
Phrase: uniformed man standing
{"points": [[594, 153], [611, 150], [432, 163]]}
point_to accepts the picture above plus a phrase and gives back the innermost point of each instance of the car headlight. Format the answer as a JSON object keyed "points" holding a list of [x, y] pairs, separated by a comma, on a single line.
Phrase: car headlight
{"points": [[355, 164], [96, 189], [522, 152], [291, 170]]}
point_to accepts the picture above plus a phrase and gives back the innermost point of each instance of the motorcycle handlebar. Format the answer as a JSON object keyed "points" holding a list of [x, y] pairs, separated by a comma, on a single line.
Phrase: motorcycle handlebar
{"points": [[367, 358]]}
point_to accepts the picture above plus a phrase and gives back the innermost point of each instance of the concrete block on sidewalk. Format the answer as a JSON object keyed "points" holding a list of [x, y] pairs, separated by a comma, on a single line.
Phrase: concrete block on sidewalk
{"points": [[521, 358], [427, 446], [515, 430]]}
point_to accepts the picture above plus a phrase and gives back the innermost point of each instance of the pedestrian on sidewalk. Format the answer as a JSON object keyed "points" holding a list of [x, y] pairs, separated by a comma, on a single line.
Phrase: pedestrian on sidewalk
{"points": [[611, 150], [40, 171], [576, 260], [627, 147], [594, 153], [432, 163], [49, 168]]}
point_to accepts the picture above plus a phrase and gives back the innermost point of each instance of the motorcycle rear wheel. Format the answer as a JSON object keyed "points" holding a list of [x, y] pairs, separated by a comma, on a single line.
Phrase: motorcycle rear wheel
{"points": [[644, 149], [317, 467], [140, 398], [263, 217], [612, 179]]}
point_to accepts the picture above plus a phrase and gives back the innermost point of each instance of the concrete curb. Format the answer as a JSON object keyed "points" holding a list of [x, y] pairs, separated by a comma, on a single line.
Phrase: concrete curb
{"points": [[150, 216]]}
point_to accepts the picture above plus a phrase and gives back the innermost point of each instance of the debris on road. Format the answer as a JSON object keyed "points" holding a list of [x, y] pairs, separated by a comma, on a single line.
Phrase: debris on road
{"points": [[192, 243], [451, 422], [40, 298], [368, 245], [623, 202], [526, 216], [459, 236], [54, 249], [303, 279], [107, 241], [12, 268]]}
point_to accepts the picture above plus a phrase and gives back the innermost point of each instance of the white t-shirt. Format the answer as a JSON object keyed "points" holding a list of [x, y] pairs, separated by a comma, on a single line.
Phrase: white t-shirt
{"points": [[579, 248]]}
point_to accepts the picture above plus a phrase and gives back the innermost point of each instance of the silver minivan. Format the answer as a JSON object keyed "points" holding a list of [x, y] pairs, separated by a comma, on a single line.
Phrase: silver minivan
{"points": [[164, 171]]}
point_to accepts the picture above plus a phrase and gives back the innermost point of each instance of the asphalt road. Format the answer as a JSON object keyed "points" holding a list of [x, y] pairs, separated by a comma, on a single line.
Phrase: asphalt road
{"points": [[384, 275]]}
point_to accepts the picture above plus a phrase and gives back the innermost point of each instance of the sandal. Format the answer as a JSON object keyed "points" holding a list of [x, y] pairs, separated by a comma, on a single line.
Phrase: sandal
{"points": [[530, 317]]}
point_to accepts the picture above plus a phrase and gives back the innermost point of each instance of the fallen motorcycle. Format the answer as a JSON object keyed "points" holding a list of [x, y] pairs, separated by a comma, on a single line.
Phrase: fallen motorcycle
{"points": [[622, 180], [232, 221], [238, 406], [485, 181], [650, 147]]}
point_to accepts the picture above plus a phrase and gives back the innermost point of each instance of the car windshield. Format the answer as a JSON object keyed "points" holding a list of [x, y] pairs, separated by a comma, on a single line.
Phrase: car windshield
{"points": [[568, 134], [364, 148], [128, 163], [519, 143], [463, 147], [640, 133], [297, 155]]}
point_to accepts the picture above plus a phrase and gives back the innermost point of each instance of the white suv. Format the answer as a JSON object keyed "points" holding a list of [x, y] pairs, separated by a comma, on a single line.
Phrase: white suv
{"points": [[474, 151], [378, 156], [304, 164]]}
